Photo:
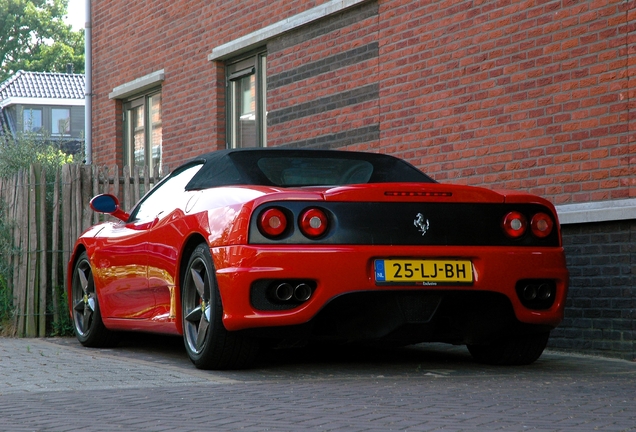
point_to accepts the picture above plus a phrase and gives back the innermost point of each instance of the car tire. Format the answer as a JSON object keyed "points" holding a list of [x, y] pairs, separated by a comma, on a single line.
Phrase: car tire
{"points": [[87, 319], [208, 343], [520, 350]]}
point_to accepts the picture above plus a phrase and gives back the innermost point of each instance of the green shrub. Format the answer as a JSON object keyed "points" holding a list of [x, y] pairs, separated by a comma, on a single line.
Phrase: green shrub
{"points": [[28, 149], [63, 326]]}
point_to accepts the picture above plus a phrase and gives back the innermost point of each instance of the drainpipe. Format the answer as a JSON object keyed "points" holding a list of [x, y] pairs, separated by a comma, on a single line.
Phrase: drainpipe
{"points": [[88, 92]]}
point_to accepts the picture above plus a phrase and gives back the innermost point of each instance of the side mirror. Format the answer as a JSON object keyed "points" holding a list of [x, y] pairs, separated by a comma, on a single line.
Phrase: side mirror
{"points": [[109, 204]]}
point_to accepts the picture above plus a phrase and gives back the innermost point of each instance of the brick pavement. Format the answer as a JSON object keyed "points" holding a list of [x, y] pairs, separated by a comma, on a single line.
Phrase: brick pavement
{"points": [[149, 384]]}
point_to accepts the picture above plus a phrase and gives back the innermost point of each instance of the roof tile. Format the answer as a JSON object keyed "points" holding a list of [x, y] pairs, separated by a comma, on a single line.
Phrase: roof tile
{"points": [[43, 85]]}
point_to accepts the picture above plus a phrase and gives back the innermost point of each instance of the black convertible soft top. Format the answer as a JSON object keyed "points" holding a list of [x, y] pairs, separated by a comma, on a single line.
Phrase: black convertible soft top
{"points": [[284, 167]]}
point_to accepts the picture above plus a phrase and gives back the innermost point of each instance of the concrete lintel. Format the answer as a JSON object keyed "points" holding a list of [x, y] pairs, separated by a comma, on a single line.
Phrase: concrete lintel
{"points": [[601, 211], [259, 37], [138, 85]]}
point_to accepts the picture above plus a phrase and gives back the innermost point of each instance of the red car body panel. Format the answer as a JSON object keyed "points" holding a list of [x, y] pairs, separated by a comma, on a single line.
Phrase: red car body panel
{"points": [[343, 269], [137, 266]]}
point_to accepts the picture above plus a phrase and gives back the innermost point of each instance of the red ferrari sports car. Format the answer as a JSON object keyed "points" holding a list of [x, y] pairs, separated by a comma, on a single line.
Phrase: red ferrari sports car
{"points": [[239, 249]]}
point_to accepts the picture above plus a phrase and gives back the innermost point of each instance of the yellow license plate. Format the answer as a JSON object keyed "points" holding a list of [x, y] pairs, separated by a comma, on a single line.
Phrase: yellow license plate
{"points": [[425, 272]]}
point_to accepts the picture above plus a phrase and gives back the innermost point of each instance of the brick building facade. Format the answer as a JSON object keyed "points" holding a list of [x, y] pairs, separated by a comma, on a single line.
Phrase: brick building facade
{"points": [[530, 95]]}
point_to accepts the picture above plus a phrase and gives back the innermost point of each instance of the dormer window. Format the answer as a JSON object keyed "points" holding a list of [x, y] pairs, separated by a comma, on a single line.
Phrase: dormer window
{"points": [[61, 121], [32, 120]]}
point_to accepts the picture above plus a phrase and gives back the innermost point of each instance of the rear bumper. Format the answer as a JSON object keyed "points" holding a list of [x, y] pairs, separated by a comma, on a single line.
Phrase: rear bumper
{"points": [[339, 270]]}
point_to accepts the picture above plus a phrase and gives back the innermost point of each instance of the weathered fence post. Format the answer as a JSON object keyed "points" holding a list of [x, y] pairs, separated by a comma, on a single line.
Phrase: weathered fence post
{"points": [[19, 269], [42, 246], [55, 246]]}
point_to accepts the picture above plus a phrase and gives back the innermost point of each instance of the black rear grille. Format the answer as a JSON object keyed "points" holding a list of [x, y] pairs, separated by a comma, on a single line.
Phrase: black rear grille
{"points": [[380, 223]]}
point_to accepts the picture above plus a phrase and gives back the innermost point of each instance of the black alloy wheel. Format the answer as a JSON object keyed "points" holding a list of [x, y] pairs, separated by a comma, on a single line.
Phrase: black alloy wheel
{"points": [[87, 320], [208, 343]]}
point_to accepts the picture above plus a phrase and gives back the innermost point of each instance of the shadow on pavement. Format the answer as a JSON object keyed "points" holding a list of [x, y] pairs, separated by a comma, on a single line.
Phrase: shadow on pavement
{"points": [[328, 360]]}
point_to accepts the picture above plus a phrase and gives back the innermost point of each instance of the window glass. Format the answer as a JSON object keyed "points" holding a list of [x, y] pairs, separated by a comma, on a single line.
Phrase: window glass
{"points": [[155, 131], [245, 97], [298, 171], [32, 120], [61, 121], [11, 116], [138, 135], [293, 168], [164, 198]]}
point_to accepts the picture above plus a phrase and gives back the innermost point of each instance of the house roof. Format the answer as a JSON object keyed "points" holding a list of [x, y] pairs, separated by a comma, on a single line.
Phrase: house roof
{"points": [[43, 85]]}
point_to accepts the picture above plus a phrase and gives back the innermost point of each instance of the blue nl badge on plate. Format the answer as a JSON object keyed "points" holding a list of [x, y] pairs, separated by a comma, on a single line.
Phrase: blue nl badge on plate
{"points": [[380, 275]]}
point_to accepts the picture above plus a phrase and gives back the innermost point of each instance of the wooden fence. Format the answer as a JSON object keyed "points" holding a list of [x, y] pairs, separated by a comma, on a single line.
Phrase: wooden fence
{"points": [[45, 213]]}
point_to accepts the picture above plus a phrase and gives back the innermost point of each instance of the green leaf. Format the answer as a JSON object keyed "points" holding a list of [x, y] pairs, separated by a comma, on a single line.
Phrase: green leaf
{"points": [[34, 37]]}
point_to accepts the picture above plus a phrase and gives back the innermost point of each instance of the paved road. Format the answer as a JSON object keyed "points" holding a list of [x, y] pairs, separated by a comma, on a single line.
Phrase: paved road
{"points": [[148, 384]]}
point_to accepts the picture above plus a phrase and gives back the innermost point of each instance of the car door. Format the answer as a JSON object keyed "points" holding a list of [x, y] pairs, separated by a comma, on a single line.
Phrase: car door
{"points": [[120, 263], [130, 253], [164, 238]]}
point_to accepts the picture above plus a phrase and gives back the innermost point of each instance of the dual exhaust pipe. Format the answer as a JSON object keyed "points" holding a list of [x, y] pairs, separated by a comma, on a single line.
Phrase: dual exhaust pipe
{"points": [[537, 294], [286, 292]]}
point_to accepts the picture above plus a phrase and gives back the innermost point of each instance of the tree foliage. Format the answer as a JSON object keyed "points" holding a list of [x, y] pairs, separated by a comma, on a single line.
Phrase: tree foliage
{"points": [[34, 37]]}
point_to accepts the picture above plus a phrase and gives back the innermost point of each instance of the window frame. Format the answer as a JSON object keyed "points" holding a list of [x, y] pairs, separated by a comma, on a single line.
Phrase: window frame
{"points": [[253, 63]]}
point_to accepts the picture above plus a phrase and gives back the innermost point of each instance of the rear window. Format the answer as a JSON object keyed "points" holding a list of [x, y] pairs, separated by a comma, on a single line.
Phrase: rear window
{"points": [[299, 171]]}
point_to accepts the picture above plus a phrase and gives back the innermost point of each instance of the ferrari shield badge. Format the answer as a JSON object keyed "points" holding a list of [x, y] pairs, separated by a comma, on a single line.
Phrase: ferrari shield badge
{"points": [[421, 223]]}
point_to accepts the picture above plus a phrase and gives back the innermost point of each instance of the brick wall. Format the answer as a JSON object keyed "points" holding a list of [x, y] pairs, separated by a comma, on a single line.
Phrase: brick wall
{"points": [[323, 85], [515, 94], [600, 314], [511, 94]]}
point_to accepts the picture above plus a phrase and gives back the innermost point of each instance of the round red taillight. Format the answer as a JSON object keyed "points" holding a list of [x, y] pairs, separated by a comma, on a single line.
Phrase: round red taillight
{"points": [[541, 225], [272, 222], [514, 224], [313, 222]]}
